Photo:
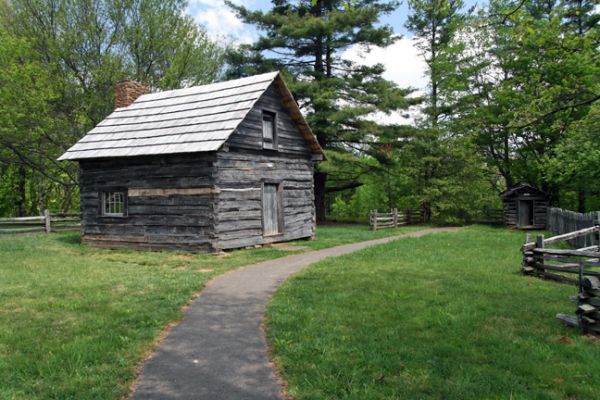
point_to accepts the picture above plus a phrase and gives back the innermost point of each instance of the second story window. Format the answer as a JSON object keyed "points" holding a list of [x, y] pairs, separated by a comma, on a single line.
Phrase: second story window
{"points": [[269, 131]]}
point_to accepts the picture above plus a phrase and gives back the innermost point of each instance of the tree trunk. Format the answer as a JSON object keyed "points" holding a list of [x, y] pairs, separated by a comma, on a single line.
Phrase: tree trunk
{"points": [[320, 181], [425, 212], [581, 200], [21, 191], [317, 11]]}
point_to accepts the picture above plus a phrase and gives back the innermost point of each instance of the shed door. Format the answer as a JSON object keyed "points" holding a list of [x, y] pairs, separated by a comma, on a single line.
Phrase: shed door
{"points": [[271, 210], [525, 213]]}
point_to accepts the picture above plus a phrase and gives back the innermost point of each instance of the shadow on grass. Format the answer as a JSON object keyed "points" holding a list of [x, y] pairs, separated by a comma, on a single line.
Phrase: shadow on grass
{"points": [[69, 238]]}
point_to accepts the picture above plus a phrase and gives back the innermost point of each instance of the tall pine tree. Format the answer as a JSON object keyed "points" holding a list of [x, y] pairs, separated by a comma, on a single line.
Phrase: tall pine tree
{"points": [[307, 39], [435, 24]]}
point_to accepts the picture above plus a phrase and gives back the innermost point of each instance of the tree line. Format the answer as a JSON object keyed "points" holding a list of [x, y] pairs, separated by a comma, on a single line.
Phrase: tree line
{"points": [[512, 96], [59, 62]]}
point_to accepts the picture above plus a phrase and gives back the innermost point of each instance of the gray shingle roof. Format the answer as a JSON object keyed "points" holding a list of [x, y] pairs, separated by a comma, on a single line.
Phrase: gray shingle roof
{"points": [[195, 119]]}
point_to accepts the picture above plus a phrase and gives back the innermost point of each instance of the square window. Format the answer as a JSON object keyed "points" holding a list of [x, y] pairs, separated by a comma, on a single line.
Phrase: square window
{"points": [[269, 131], [113, 204]]}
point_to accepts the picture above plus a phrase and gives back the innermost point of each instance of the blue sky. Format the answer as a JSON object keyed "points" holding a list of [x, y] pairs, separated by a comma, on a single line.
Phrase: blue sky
{"points": [[404, 65], [396, 19]]}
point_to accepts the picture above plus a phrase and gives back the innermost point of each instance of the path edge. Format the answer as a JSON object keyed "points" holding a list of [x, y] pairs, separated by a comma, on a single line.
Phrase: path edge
{"points": [[276, 367]]}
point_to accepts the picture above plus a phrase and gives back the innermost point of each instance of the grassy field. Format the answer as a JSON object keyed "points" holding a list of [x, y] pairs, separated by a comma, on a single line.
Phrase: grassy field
{"points": [[75, 321], [445, 316]]}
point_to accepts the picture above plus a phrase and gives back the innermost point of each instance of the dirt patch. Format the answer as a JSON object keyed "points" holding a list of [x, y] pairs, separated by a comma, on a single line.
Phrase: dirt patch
{"points": [[205, 270], [593, 338], [288, 247], [565, 340]]}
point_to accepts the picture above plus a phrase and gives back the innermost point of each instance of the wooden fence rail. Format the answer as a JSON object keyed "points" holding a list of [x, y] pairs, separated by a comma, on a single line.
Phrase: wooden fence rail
{"points": [[579, 266], [562, 221], [48, 222], [538, 259], [393, 219], [490, 216]]}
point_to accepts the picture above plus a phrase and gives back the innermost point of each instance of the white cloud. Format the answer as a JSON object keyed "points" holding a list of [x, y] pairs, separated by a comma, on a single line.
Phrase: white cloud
{"points": [[220, 21], [403, 65]]}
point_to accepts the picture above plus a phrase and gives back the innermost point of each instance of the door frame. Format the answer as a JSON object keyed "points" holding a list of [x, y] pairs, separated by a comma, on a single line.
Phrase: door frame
{"points": [[532, 215], [279, 196]]}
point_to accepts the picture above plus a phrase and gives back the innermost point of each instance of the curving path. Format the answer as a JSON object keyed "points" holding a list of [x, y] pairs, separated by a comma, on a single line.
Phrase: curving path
{"points": [[219, 351]]}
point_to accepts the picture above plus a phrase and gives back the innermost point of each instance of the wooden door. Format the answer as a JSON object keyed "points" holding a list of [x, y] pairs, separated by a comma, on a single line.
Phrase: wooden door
{"points": [[525, 213], [271, 210]]}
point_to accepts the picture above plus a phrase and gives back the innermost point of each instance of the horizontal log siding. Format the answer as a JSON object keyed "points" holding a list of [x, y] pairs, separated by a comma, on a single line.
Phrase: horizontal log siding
{"points": [[540, 213], [238, 204], [510, 213], [241, 172], [229, 215], [176, 221], [248, 135]]}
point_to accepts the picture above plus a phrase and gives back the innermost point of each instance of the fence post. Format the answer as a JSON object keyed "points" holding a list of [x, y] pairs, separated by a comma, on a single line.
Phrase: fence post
{"points": [[395, 217], [47, 221], [539, 259], [526, 266], [598, 233], [375, 219], [408, 216]]}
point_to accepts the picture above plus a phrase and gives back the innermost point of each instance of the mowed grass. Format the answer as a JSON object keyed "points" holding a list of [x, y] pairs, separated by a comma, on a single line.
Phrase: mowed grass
{"points": [[76, 321], [444, 316]]}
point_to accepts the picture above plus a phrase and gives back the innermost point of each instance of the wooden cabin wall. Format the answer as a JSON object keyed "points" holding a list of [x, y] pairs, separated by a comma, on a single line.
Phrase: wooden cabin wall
{"points": [[238, 203], [510, 213], [248, 135], [228, 212], [243, 169], [540, 213], [176, 213]]}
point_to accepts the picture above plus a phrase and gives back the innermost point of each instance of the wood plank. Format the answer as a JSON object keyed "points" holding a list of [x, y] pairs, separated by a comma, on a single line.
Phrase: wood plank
{"points": [[22, 230], [22, 219], [573, 253]]}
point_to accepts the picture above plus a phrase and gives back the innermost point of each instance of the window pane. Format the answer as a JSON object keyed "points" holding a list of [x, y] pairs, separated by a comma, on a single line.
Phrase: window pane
{"points": [[268, 127], [114, 203]]}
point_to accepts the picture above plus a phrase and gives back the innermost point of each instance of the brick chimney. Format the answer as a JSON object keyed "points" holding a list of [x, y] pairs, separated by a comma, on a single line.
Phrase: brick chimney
{"points": [[127, 91]]}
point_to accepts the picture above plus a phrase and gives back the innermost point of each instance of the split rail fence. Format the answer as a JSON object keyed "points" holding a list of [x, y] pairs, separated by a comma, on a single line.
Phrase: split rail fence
{"points": [[580, 266], [558, 264], [48, 222], [393, 219], [563, 221]]}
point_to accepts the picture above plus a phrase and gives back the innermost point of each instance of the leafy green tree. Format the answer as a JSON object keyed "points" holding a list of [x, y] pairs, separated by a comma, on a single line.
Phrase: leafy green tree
{"points": [[26, 122], [541, 79], [575, 161], [307, 39], [435, 155], [435, 24], [580, 17], [83, 47]]}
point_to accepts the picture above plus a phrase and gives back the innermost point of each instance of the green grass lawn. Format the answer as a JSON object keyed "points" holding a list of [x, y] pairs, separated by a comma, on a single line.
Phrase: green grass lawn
{"points": [[75, 321], [444, 316]]}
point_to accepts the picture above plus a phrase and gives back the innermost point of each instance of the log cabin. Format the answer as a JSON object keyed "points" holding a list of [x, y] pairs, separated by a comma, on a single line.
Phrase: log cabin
{"points": [[525, 207], [205, 168]]}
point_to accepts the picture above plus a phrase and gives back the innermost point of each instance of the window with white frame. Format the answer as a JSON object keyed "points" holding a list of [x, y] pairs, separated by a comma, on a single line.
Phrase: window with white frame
{"points": [[113, 204], [269, 131]]}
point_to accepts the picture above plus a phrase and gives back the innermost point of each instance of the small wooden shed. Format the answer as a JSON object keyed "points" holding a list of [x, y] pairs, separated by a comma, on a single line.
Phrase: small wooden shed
{"points": [[525, 207], [209, 167]]}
